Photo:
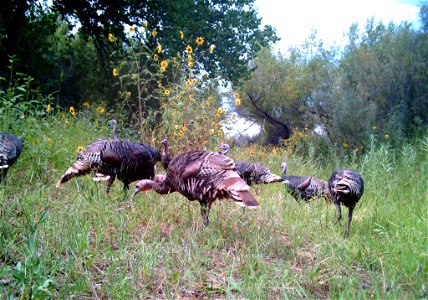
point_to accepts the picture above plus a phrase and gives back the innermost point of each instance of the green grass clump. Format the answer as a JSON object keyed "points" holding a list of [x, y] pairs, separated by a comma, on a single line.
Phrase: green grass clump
{"points": [[76, 242]]}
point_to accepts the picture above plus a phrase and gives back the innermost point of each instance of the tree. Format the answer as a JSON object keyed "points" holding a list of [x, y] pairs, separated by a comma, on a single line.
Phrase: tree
{"points": [[283, 92], [232, 26]]}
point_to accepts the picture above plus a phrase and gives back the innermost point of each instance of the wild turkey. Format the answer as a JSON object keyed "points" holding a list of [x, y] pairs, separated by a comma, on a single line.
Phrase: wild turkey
{"points": [[10, 150], [111, 159], [304, 187], [113, 122], [165, 157], [252, 173], [155, 153], [204, 176], [346, 188]]}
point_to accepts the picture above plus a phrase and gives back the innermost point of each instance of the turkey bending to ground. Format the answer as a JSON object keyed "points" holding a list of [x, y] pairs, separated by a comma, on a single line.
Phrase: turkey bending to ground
{"points": [[252, 173], [111, 159], [10, 150], [165, 157], [305, 187], [203, 176], [346, 188]]}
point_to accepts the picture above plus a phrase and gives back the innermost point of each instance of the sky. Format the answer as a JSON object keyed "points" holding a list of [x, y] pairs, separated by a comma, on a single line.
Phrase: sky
{"points": [[295, 19]]}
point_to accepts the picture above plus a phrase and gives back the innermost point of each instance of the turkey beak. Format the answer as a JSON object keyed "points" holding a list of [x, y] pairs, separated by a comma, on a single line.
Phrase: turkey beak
{"points": [[137, 190]]}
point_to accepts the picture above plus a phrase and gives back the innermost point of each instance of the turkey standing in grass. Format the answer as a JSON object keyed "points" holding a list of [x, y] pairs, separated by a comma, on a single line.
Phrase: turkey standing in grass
{"points": [[304, 187], [10, 150], [346, 188], [252, 173], [165, 157], [204, 176], [113, 122], [111, 159]]}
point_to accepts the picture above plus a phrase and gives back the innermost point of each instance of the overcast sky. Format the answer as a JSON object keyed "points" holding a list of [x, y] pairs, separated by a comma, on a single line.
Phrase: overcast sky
{"points": [[294, 20]]}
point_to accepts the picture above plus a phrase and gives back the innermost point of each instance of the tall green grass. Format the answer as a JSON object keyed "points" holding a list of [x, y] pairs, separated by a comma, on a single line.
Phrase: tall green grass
{"points": [[76, 242]]}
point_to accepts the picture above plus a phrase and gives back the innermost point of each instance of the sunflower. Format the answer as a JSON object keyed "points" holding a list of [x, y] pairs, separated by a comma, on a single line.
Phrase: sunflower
{"points": [[155, 57], [86, 104], [237, 102], [115, 72], [189, 49], [159, 48], [181, 35], [48, 108], [101, 110], [110, 38], [212, 131], [154, 33], [72, 111], [199, 41], [164, 64], [132, 28], [167, 92]]}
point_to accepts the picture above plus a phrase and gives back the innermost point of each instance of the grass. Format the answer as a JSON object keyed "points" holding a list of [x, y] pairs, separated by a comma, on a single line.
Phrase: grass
{"points": [[76, 242]]}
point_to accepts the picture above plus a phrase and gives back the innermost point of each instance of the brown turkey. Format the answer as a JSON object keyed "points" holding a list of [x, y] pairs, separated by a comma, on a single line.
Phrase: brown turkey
{"points": [[346, 188], [10, 150], [111, 159], [252, 173], [203, 176], [304, 187], [165, 157]]}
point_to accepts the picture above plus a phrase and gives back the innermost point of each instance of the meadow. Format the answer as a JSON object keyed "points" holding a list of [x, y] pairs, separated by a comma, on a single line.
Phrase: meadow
{"points": [[77, 242]]}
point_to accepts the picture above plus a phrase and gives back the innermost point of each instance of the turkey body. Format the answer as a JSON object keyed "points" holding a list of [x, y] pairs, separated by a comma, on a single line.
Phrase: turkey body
{"points": [[203, 176], [252, 173], [10, 150], [305, 187], [111, 159], [346, 188]]}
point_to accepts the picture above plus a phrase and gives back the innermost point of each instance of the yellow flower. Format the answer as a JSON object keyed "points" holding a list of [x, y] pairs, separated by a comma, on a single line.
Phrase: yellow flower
{"points": [[144, 24], [180, 134], [189, 49], [184, 129], [115, 73], [237, 102], [86, 104], [200, 41], [110, 38], [154, 33], [164, 64], [132, 28], [190, 64], [72, 111], [345, 145], [220, 110], [67, 123], [162, 69], [80, 148], [181, 35], [128, 94], [212, 131], [237, 96], [101, 110], [159, 48], [48, 108], [374, 127], [164, 105], [212, 47], [167, 92], [220, 132], [155, 57], [386, 136]]}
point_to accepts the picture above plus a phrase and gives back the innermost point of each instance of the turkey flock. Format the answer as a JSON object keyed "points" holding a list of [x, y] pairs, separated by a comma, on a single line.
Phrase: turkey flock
{"points": [[199, 175]]}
